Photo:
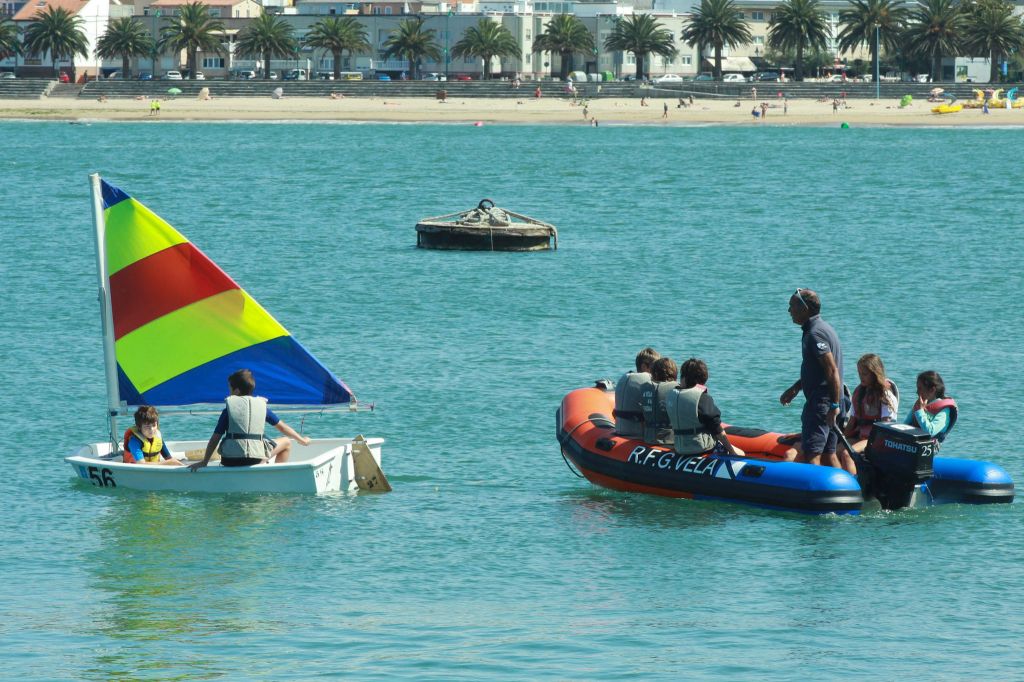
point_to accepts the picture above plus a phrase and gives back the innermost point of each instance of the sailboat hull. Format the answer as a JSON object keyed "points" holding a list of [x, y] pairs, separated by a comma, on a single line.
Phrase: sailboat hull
{"points": [[324, 466]]}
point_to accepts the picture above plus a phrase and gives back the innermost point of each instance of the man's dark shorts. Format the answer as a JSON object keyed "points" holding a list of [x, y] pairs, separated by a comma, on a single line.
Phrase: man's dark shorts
{"points": [[817, 438]]}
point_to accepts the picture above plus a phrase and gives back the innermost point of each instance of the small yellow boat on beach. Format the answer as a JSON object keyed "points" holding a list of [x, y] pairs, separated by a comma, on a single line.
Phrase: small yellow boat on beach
{"points": [[947, 108]]}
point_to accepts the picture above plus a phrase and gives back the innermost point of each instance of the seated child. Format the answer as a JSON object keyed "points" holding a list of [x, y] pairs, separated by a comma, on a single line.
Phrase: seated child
{"points": [[143, 443], [240, 429], [874, 400]]}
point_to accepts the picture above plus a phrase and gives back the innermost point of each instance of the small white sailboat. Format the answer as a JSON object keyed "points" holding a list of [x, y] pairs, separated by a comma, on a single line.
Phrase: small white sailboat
{"points": [[174, 327]]}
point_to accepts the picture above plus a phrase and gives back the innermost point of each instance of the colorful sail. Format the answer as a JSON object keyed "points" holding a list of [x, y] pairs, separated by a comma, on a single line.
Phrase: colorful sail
{"points": [[182, 325]]}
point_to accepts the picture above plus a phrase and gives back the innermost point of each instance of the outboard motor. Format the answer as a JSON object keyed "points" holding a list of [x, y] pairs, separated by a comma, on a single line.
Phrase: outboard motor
{"points": [[900, 458]]}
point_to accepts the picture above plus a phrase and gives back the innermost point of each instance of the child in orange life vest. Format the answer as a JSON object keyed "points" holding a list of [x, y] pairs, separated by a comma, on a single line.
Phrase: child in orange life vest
{"points": [[143, 443]]}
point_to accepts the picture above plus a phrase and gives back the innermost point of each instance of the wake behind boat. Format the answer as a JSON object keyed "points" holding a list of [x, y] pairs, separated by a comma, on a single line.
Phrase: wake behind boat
{"points": [[174, 326]]}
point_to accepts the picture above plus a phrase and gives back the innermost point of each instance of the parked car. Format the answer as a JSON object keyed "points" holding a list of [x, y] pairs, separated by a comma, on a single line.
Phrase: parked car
{"points": [[7, 76], [767, 76], [325, 75], [114, 75], [923, 78], [172, 76], [436, 77], [144, 76], [668, 78], [383, 77], [200, 76], [296, 75], [734, 78], [704, 77], [463, 77]]}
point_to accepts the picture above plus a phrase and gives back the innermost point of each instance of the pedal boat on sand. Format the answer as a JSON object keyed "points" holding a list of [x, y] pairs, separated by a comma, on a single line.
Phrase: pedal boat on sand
{"points": [[486, 228], [906, 475], [174, 327]]}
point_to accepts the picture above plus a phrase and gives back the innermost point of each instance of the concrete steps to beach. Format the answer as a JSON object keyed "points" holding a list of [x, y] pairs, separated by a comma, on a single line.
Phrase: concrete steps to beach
{"points": [[25, 88]]}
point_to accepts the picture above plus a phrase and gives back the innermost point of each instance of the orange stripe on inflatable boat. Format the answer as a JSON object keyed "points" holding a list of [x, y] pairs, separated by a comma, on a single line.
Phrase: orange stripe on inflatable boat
{"points": [[625, 486]]}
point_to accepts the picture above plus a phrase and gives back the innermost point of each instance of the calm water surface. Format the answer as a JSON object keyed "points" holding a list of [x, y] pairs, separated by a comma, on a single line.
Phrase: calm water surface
{"points": [[490, 559]]}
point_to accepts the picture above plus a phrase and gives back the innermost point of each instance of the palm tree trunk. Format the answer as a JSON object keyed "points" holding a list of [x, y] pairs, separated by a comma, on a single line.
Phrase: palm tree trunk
{"points": [[124, 66], [640, 57], [937, 69], [993, 76], [798, 72], [266, 66], [718, 61], [337, 64]]}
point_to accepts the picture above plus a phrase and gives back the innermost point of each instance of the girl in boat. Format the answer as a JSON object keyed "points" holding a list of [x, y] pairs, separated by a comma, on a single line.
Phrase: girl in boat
{"points": [[876, 399], [933, 411], [143, 443]]}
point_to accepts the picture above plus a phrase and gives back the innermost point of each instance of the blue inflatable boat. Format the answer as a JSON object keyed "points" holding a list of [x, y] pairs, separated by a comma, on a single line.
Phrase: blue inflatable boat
{"points": [[904, 474]]}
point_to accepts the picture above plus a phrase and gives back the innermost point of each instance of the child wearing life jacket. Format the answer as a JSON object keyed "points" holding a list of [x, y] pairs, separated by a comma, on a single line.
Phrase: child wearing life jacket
{"points": [[876, 399], [240, 429], [933, 411], [143, 443]]}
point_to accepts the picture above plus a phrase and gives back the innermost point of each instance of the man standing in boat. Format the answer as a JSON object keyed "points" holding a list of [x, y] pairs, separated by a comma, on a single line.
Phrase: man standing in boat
{"points": [[820, 379], [629, 407]]}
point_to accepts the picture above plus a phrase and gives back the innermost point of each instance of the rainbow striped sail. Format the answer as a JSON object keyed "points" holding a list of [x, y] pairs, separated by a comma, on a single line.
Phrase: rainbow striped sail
{"points": [[181, 325]]}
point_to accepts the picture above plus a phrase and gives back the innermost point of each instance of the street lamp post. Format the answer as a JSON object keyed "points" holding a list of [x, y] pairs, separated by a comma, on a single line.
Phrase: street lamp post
{"points": [[878, 59], [446, 38]]}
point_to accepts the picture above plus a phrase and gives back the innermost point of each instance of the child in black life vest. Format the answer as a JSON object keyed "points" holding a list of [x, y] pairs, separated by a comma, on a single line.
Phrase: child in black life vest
{"points": [[143, 443]]}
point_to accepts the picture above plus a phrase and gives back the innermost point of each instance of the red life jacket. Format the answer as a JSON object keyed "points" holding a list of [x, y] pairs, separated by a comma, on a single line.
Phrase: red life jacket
{"points": [[866, 416], [937, 406]]}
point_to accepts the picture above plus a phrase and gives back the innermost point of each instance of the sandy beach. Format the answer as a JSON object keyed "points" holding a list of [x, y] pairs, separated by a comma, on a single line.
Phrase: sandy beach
{"points": [[527, 110]]}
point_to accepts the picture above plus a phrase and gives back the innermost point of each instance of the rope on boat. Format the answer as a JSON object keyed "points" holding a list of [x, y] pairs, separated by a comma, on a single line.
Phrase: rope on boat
{"points": [[487, 214]]}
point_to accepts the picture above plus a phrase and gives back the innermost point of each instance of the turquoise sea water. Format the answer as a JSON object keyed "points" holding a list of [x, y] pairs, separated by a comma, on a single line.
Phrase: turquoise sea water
{"points": [[491, 560]]}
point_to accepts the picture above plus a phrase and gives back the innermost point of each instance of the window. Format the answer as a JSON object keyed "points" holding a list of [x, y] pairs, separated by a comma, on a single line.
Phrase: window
{"points": [[387, 10], [215, 12], [213, 62], [687, 60], [757, 16], [759, 40]]}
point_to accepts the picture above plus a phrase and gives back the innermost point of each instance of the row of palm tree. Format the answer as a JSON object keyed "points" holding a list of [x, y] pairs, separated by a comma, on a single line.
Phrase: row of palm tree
{"points": [[194, 29], [933, 29]]}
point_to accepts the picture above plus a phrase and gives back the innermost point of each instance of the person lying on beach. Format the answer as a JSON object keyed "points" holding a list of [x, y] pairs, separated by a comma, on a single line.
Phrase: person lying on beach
{"points": [[143, 443], [240, 429]]}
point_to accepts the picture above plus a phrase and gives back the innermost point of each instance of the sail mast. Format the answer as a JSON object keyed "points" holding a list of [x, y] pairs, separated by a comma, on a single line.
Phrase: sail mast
{"points": [[106, 315]]}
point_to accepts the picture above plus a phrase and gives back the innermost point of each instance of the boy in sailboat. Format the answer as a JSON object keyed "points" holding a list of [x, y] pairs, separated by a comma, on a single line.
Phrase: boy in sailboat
{"points": [[143, 443], [240, 429]]}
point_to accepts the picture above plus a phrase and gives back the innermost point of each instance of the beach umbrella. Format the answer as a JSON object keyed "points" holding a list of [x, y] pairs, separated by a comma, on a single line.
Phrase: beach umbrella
{"points": [[278, 93], [173, 91], [937, 91]]}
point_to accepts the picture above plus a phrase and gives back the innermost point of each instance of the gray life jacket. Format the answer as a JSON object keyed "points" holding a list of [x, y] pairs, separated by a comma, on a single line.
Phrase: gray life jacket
{"points": [[247, 418], [628, 410], [690, 436], [657, 428]]}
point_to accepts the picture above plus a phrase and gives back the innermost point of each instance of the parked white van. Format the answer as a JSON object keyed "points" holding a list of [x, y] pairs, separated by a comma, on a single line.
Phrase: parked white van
{"points": [[297, 75]]}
